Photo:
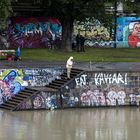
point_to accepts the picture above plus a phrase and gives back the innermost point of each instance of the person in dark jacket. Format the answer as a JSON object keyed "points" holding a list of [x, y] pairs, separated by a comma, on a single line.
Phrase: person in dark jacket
{"points": [[82, 42], [78, 42]]}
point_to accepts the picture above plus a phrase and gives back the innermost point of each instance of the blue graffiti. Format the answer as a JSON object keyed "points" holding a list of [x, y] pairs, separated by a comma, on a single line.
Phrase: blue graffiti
{"points": [[9, 79], [15, 88], [51, 102], [40, 27]]}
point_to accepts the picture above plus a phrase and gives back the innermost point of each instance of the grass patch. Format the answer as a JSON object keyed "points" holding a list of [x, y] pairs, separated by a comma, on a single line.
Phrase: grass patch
{"points": [[91, 54]]}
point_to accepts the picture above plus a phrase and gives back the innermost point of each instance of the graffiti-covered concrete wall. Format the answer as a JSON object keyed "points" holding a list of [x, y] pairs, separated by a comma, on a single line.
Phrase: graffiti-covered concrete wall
{"points": [[87, 90], [33, 32], [91, 89], [12, 81], [103, 89], [44, 100]]}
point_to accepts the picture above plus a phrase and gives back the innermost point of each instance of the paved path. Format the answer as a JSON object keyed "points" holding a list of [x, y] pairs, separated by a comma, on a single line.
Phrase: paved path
{"points": [[88, 66]]}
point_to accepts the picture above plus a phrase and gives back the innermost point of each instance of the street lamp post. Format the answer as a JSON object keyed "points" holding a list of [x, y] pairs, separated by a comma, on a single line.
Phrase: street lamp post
{"points": [[115, 22]]}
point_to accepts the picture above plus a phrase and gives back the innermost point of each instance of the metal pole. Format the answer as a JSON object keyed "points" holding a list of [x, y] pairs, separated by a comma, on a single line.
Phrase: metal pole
{"points": [[115, 22]]}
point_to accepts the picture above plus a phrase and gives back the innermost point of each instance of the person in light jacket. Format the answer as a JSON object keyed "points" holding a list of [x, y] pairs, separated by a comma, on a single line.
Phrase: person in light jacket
{"points": [[69, 65]]}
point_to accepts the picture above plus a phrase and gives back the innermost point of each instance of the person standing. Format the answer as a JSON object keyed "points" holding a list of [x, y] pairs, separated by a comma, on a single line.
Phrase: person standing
{"points": [[78, 42], [82, 42], [17, 54], [69, 66]]}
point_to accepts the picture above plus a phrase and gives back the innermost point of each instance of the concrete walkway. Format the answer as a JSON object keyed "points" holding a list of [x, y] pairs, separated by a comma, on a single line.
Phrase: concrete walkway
{"points": [[88, 66]]}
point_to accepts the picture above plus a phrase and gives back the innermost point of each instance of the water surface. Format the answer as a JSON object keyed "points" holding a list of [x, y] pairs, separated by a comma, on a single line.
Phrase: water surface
{"points": [[71, 124]]}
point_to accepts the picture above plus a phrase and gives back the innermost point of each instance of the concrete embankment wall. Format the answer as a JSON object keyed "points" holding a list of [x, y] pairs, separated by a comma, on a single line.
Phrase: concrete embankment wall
{"points": [[101, 88]]}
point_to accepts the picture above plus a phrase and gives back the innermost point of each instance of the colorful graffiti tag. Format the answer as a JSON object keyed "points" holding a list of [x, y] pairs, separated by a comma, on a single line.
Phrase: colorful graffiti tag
{"points": [[12, 81], [44, 100], [95, 33], [33, 32], [128, 32]]}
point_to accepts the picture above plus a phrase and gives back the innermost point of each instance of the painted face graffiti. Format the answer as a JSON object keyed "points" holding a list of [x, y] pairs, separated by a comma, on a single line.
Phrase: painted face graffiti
{"points": [[38, 101]]}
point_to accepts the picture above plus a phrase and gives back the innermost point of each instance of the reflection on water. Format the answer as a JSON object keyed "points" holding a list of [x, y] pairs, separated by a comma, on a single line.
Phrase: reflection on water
{"points": [[71, 124]]}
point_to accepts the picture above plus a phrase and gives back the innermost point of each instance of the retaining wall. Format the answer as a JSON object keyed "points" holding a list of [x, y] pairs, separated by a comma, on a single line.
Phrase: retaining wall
{"points": [[91, 89]]}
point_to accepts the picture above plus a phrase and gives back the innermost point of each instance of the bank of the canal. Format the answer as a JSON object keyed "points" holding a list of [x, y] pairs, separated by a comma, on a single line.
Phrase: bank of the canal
{"points": [[99, 84], [88, 66]]}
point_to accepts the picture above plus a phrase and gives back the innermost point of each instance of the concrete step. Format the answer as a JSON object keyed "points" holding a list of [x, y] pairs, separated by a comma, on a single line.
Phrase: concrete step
{"points": [[8, 104], [22, 95], [11, 102], [6, 107], [51, 86], [18, 97], [56, 84]]}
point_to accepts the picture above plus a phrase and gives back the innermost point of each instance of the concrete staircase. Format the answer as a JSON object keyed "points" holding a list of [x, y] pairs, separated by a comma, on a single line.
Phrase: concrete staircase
{"points": [[59, 83], [13, 103], [19, 98]]}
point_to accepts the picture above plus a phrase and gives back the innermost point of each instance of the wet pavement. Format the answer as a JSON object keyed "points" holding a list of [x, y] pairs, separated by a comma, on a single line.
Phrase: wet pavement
{"points": [[88, 66], [72, 124]]}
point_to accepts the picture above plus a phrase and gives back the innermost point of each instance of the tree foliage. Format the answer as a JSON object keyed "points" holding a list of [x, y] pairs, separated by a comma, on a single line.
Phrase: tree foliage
{"points": [[69, 10], [76, 9], [132, 6], [5, 11]]}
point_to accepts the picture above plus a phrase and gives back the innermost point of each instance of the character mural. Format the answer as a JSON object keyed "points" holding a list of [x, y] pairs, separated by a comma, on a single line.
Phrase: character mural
{"points": [[12, 81], [33, 32], [128, 32], [134, 34]]}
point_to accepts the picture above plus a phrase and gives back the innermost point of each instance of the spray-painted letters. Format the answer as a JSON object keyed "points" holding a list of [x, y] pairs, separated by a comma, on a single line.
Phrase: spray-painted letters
{"points": [[116, 78], [33, 32]]}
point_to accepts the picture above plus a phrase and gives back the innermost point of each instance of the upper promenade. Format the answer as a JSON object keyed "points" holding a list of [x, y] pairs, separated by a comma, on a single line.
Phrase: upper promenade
{"points": [[87, 66]]}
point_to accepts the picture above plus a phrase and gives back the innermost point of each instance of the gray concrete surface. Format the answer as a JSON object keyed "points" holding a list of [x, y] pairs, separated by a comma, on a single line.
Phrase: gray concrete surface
{"points": [[88, 66]]}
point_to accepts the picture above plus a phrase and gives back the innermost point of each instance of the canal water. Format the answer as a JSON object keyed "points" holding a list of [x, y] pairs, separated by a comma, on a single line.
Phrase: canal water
{"points": [[71, 124]]}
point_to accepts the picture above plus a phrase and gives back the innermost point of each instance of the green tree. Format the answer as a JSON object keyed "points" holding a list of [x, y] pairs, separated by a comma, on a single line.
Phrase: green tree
{"points": [[5, 12], [68, 11]]}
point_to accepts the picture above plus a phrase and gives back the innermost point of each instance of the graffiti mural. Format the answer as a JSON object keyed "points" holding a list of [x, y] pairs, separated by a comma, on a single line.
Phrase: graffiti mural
{"points": [[42, 77], [44, 100], [95, 33], [87, 90], [128, 32], [33, 32], [103, 89], [12, 81]]}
